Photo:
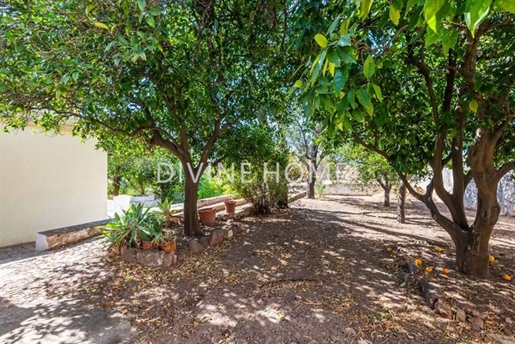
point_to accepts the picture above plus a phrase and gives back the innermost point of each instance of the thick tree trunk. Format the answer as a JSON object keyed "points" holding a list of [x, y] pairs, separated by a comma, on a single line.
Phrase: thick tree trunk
{"points": [[191, 221], [401, 203], [472, 247]]}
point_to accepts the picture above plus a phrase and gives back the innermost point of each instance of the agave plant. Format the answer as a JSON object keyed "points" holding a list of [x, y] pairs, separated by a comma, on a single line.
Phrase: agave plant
{"points": [[134, 224]]}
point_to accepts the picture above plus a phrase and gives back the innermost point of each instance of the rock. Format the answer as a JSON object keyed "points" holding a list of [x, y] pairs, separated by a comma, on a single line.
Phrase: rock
{"points": [[476, 323], [349, 331], [217, 237], [508, 320], [169, 259], [129, 255], [228, 233], [443, 309], [461, 315], [429, 292], [196, 246], [151, 258]]}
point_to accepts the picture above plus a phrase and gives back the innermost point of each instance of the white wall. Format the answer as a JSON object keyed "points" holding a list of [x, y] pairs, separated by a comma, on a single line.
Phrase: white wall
{"points": [[48, 181]]}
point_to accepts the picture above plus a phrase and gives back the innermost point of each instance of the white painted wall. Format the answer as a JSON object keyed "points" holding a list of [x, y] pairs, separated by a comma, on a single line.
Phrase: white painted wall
{"points": [[48, 181]]}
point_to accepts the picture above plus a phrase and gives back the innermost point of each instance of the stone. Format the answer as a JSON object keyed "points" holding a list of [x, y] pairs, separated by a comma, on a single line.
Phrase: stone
{"points": [[150, 258], [228, 233], [429, 292], [217, 237], [205, 240], [169, 259], [508, 320], [461, 315], [443, 309], [350, 331], [476, 323], [196, 246], [128, 254]]}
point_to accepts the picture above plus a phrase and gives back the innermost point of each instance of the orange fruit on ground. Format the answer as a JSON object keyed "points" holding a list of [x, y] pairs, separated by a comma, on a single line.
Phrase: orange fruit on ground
{"points": [[418, 262], [438, 249], [506, 277], [445, 271], [491, 259], [429, 269], [389, 249]]}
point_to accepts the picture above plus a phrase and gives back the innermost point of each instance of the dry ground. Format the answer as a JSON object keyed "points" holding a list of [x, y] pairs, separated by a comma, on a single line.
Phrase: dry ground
{"points": [[315, 273]]}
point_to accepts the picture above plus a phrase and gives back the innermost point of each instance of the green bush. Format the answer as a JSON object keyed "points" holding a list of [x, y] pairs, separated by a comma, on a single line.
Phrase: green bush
{"points": [[134, 225]]}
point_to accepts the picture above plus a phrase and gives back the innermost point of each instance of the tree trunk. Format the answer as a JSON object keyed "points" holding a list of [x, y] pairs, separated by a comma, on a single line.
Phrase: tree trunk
{"points": [[386, 202], [311, 189], [116, 181], [401, 203], [191, 221]]}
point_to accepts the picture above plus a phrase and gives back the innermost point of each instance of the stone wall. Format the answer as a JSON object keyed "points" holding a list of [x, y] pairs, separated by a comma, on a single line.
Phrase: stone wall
{"points": [[505, 193]]}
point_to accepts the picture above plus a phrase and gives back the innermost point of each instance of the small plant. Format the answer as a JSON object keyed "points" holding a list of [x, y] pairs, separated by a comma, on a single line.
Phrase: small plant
{"points": [[165, 210], [136, 224], [319, 189]]}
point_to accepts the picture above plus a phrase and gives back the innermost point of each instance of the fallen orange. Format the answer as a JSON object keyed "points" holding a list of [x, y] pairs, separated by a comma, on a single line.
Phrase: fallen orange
{"points": [[491, 259], [389, 249], [429, 269], [418, 262], [506, 277], [445, 271], [438, 249]]}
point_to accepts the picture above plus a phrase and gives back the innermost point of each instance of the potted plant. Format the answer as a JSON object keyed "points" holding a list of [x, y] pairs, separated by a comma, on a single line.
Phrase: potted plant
{"points": [[230, 206], [207, 216], [166, 242]]}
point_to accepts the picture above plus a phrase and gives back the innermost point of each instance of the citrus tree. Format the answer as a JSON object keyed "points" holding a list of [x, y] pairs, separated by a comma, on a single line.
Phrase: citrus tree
{"points": [[424, 82], [171, 74]]}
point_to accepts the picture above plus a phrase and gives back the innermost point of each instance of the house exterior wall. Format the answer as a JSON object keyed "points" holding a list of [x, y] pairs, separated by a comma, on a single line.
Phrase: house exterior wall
{"points": [[48, 181]]}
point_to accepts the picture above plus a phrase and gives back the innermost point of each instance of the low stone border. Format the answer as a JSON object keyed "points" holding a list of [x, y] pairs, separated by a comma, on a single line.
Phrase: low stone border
{"points": [[66, 235], [157, 258]]}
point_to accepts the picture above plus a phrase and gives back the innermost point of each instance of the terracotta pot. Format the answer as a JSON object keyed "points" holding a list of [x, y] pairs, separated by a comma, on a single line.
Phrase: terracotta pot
{"points": [[147, 245], [230, 206], [207, 216], [169, 246]]}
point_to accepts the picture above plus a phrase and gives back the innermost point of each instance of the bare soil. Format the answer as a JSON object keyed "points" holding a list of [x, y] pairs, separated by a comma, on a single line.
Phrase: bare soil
{"points": [[318, 272]]}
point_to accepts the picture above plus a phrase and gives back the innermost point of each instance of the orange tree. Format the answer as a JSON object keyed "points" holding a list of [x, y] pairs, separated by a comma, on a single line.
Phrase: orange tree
{"points": [[423, 83], [171, 74]]}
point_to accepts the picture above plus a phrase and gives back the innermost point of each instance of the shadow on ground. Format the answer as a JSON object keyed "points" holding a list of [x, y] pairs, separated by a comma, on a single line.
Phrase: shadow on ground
{"points": [[316, 273]]}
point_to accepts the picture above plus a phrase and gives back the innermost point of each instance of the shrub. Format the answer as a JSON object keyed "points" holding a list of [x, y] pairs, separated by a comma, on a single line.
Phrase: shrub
{"points": [[134, 225], [264, 196]]}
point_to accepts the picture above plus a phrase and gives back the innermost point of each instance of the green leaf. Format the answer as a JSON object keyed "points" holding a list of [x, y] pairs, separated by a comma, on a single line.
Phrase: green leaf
{"points": [[358, 115], [340, 79], [365, 100], [298, 84], [333, 26], [449, 40], [344, 41], [155, 11], [473, 105], [505, 5], [475, 13], [142, 4], [365, 8], [378, 92], [150, 21], [395, 15], [321, 40], [101, 25], [432, 7], [369, 67]]}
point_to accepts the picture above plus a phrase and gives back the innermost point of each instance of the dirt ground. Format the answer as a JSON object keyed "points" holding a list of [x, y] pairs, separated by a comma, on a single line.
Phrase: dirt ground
{"points": [[318, 272]]}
